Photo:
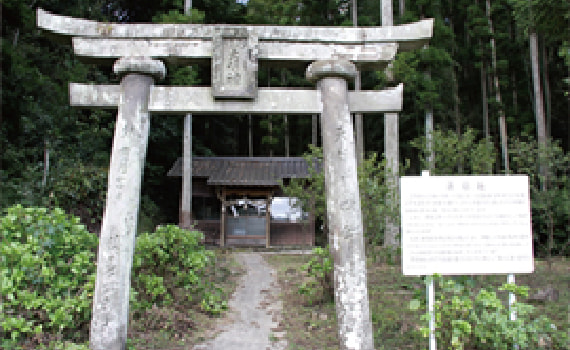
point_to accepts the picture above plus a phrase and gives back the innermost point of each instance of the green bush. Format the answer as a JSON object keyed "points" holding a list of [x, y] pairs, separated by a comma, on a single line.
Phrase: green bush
{"points": [[457, 153], [213, 301], [319, 286], [468, 320], [47, 274], [80, 189], [549, 190], [311, 192], [172, 262], [378, 199]]}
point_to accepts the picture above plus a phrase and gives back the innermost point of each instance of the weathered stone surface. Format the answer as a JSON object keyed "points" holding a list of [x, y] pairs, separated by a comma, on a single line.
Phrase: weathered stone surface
{"points": [[344, 216], [234, 64], [391, 136], [391, 153], [136, 64], [331, 68], [387, 100], [186, 201], [409, 36], [116, 246], [369, 55], [158, 48], [89, 95], [186, 99]]}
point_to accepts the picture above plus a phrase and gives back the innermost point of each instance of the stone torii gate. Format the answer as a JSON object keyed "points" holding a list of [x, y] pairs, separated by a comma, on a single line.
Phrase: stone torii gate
{"points": [[333, 53]]}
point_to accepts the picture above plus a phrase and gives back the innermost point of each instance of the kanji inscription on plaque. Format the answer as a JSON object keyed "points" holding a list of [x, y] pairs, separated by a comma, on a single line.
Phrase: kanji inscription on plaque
{"points": [[234, 64]]}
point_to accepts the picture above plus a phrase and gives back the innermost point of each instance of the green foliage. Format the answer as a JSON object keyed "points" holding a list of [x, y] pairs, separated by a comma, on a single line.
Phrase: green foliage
{"points": [[550, 190], [172, 261], [47, 274], [466, 319], [547, 16], [59, 345], [214, 302], [274, 127], [295, 12], [378, 199], [319, 285], [80, 189], [35, 74], [457, 154], [311, 192], [173, 16]]}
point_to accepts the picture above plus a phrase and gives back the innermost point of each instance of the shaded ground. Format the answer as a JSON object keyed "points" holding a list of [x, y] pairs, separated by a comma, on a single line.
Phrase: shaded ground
{"points": [[313, 326], [255, 311], [271, 281], [179, 327]]}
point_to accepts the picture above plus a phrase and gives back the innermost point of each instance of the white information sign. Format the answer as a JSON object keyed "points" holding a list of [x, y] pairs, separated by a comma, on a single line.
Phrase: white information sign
{"points": [[458, 225]]}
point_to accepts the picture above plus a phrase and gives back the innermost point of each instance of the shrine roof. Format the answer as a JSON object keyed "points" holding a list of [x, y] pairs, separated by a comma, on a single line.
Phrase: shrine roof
{"points": [[245, 171]]}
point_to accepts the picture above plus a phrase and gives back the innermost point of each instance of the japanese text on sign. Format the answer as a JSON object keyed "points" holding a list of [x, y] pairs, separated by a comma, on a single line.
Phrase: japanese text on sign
{"points": [[466, 225]]}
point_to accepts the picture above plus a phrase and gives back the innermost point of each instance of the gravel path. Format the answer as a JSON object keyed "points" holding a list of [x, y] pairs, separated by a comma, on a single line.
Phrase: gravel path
{"points": [[255, 311]]}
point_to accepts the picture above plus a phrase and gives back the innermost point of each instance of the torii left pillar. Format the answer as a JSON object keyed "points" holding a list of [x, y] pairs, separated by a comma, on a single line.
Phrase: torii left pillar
{"points": [[117, 241]]}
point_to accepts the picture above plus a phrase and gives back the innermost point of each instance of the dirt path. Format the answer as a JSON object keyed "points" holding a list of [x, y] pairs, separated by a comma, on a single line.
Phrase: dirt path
{"points": [[255, 311]]}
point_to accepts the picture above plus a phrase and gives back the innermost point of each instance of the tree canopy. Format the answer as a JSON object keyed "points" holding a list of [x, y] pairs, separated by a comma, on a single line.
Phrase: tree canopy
{"points": [[42, 137]]}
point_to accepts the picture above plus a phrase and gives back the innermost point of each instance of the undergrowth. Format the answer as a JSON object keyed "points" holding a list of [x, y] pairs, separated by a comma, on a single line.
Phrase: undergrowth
{"points": [[47, 277], [468, 318]]}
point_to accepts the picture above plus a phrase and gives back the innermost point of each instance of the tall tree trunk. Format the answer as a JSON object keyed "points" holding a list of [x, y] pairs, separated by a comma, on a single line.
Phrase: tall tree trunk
{"points": [[512, 36], [484, 100], [537, 89], [540, 124], [546, 82], [515, 94], [456, 112], [484, 93], [455, 92], [402, 9], [429, 139], [455, 88], [387, 13], [16, 37], [502, 121], [187, 7], [46, 163]]}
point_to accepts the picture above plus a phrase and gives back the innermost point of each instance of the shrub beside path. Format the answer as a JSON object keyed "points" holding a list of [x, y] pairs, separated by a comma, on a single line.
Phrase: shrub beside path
{"points": [[255, 311]]}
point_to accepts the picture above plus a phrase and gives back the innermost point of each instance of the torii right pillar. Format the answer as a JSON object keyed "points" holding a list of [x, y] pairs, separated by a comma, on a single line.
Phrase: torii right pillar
{"points": [[346, 238]]}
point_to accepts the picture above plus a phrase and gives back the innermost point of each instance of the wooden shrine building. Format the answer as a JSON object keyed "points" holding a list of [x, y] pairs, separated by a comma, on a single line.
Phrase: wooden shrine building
{"points": [[238, 201]]}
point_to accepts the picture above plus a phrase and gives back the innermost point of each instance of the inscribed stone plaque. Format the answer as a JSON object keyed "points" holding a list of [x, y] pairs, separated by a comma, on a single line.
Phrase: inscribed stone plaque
{"points": [[234, 64], [466, 225]]}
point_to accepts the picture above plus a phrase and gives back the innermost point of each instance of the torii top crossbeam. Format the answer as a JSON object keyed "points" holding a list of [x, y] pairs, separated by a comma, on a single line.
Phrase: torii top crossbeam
{"points": [[235, 50], [365, 46], [410, 36]]}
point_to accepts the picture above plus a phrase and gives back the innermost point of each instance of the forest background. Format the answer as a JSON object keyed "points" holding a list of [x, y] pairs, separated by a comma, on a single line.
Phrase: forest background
{"points": [[477, 70]]}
